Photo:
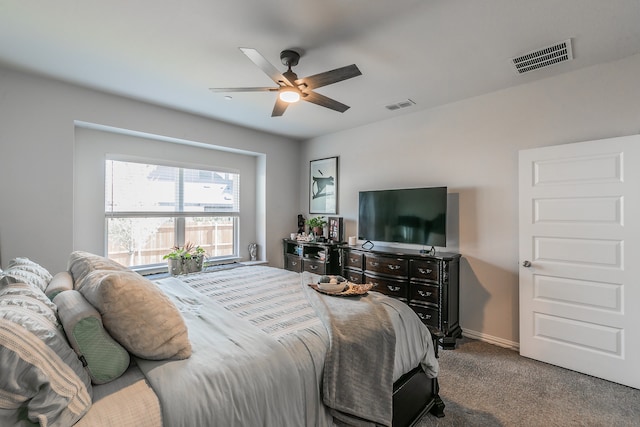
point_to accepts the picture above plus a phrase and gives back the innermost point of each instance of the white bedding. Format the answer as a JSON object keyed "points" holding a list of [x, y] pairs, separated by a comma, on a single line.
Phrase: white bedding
{"points": [[125, 401], [259, 350]]}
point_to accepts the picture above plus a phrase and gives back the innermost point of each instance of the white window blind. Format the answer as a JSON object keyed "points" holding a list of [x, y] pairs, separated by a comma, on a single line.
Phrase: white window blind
{"points": [[154, 189]]}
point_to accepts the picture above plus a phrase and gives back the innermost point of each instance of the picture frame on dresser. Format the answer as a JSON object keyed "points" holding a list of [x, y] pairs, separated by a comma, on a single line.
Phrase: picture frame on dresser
{"points": [[323, 186], [336, 228]]}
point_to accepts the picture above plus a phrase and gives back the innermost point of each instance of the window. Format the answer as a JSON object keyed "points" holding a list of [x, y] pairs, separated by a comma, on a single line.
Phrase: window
{"points": [[151, 208]]}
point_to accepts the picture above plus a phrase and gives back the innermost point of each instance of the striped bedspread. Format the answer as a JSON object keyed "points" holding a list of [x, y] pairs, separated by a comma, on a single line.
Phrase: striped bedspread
{"points": [[270, 298], [259, 350], [274, 300]]}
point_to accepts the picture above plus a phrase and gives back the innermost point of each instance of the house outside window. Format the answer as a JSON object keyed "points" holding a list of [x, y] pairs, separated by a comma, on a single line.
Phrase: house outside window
{"points": [[150, 208]]}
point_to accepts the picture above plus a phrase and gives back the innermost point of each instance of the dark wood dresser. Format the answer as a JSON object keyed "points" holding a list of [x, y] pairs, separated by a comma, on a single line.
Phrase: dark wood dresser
{"points": [[428, 283]]}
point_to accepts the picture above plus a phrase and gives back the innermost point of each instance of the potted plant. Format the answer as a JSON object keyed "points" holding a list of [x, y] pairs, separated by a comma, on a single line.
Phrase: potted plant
{"points": [[185, 259], [317, 225]]}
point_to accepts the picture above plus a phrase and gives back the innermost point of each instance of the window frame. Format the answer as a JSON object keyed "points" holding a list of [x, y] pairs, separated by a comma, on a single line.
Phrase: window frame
{"points": [[178, 216]]}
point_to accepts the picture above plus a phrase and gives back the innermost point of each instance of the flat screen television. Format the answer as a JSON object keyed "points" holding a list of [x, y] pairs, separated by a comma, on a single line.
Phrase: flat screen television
{"points": [[412, 215]]}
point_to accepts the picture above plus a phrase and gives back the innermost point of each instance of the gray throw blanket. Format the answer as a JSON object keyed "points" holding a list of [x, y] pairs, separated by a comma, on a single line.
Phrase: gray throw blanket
{"points": [[358, 369]]}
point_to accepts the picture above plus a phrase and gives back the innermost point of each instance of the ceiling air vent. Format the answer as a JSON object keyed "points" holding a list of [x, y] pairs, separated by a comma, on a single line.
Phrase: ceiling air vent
{"points": [[544, 57], [398, 105]]}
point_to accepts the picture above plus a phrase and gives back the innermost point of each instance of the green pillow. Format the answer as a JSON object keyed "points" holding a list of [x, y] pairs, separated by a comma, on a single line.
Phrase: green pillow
{"points": [[103, 357]]}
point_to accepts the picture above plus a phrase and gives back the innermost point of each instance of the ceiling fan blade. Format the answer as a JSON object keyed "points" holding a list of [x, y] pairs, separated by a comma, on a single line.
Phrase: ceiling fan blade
{"points": [[279, 107], [325, 101], [329, 77], [266, 66], [244, 89]]}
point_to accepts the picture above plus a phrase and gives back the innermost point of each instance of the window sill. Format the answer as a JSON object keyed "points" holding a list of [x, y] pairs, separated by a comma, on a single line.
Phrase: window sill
{"points": [[159, 270]]}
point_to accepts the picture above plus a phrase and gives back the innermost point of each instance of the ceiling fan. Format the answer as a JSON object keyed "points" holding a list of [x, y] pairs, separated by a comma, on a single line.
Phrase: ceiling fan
{"points": [[292, 89]]}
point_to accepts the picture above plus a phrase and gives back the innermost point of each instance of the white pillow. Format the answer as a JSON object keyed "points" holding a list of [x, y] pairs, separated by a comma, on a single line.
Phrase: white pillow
{"points": [[23, 270]]}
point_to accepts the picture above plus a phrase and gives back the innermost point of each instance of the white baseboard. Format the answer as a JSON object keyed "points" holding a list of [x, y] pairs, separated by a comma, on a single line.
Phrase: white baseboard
{"points": [[501, 342]]}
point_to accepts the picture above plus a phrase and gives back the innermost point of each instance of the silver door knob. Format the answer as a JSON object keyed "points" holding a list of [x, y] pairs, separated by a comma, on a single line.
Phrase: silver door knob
{"points": [[526, 264]]}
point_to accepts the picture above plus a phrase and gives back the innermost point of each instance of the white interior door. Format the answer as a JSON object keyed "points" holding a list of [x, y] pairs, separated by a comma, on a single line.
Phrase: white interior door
{"points": [[580, 232]]}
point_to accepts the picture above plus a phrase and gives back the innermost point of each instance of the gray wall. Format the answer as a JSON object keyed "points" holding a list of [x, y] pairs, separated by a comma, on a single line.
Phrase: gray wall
{"points": [[37, 139], [472, 148]]}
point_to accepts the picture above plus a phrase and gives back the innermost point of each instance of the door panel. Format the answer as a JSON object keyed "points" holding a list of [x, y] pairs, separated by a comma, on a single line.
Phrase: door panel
{"points": [[580, 293], [580, 232]]}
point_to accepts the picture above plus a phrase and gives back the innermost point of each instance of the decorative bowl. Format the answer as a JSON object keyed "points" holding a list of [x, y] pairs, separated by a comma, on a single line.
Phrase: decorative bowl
{"points": [[332, 287], [332, 283]]}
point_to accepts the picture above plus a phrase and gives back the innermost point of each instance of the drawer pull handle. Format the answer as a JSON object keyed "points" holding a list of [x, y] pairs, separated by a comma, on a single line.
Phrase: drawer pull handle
{"points": [[424, 316], [393, 288], [313, 267], [374, 284], [425, 271], [424, 294], [393, 266], [353, 260], [374, 264], [294, 263]]}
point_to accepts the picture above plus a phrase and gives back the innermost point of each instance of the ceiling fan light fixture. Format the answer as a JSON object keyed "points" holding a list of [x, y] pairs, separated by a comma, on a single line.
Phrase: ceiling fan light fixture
{"points": [[289, 95]]}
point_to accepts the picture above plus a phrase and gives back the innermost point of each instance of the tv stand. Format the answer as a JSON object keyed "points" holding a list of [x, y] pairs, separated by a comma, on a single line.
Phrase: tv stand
{"points": [[427, 281]]}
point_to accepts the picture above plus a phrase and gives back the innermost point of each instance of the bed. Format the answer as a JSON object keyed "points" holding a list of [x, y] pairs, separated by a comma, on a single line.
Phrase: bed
{"points": [[264, 349]]}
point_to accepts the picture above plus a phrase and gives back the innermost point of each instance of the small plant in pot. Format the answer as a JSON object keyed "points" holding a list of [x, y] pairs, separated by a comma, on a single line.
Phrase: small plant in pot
{"points": [[185, 259], [317, 225]]}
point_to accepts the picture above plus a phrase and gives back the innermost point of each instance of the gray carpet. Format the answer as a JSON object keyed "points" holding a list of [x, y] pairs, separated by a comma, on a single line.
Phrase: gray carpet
{"points": [[486, 385]]}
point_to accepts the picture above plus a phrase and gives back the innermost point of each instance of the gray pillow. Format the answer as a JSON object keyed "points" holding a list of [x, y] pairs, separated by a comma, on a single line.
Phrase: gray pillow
{"points": [[82, 263], [42, 378], [137, 314], [62, 281]]}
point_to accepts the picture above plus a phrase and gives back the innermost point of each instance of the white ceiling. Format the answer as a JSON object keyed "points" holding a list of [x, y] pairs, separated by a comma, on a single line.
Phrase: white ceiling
{"points": [[431, 51]]}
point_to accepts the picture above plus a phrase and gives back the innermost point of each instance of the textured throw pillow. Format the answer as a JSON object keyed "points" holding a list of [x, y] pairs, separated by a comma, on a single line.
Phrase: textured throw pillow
{"points": [[42, 379], [22, 295], [23, 270], [137, 314], [82, 263], [61, 282], [103, 358]]}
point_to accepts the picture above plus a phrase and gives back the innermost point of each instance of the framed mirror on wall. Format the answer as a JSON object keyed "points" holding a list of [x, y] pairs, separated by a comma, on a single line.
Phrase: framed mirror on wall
{"points": [[323, 186]]}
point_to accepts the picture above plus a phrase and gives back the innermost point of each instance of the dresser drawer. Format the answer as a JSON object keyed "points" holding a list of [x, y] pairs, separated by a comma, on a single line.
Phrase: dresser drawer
{"points": [[428, 315], [425, 270], [386, 265], [314, 266], [426, 294], [353, 276], [293, 263], [353, 259], [393, 288]]}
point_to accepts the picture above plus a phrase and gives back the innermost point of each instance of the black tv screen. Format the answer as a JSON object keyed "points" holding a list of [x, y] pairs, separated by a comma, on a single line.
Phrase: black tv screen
{"points": [[413, 215]]}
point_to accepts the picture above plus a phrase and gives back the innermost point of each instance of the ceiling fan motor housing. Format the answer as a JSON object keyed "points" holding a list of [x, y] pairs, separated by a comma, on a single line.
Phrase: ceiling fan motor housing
{"points": [[289, 58]]}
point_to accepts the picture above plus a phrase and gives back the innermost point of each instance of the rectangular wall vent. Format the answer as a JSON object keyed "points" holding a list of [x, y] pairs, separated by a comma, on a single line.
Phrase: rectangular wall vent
{"points": [[398, 105], [544, 57]]}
